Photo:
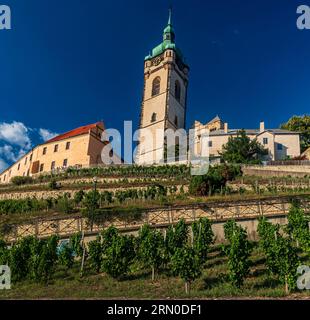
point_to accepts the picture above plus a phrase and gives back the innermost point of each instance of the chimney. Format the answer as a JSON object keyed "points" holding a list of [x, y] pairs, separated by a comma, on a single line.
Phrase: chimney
{"points": [[226, 127], [262, 126]]}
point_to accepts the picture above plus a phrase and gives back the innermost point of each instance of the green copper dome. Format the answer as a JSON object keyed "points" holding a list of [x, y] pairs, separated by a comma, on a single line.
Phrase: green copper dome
{"points": [[169, 29], [168, 42]]}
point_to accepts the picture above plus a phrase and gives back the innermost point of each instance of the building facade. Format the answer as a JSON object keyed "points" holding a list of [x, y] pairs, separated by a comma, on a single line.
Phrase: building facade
{"points": [[81, 147], [281, 144], [164, 97]]}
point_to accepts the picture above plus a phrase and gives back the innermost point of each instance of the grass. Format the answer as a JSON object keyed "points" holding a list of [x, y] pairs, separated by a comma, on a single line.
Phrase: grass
{"points": [[137, 285]]}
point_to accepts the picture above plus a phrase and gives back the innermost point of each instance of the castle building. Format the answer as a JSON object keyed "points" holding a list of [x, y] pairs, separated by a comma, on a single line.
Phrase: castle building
{"points": [[164, 97], [281, 144], [81, 147]]}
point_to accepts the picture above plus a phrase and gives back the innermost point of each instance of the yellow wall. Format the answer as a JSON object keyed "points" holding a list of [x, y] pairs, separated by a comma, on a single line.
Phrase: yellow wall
{"points": [[84, 150]]}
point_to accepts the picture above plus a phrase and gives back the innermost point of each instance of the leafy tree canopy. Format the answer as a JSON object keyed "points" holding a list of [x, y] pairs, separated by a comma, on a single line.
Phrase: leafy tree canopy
{"points": [[241, 149]]}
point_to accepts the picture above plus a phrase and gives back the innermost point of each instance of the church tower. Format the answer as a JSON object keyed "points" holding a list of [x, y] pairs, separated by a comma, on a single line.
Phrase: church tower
{"points": [[164, 96]]}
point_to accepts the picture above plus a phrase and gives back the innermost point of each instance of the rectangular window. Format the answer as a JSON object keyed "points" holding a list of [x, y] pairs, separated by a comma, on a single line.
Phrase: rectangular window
{"points": [[44, 150], [280, 146], [265, 141], [18, 167], [65, 162], [26, 160], [210, 144], [56, 148], [53, 165], [41, 167], [30, 158], [68, 145]]}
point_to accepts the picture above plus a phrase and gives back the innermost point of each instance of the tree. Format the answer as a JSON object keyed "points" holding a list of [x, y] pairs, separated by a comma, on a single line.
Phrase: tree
{"points": [[66, 257], [4, 253], [300, 124], [281, 257], [268, 233], [78, 197], [186, 263], [238, 252], [298, 227], [214, 181], [91, 203], [287, 262], [95, 254], [176, 237], [19, 256], [75, 243], [119, 256], [48, 258], [150, 248], [203, 237], [241, 149]]}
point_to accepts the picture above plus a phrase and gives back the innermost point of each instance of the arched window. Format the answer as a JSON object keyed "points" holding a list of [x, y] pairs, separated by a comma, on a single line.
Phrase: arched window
{"points": [[156, 86], [154, 117], [177, 91]]}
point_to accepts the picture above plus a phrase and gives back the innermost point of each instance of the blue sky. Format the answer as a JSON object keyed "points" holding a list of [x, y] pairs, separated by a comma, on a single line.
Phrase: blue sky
{"points": [[67, 63]]}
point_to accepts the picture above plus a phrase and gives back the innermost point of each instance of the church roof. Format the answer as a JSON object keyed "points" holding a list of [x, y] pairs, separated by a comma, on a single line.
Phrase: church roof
{"points": [[77, 132], [168, 43], [217, 118]]}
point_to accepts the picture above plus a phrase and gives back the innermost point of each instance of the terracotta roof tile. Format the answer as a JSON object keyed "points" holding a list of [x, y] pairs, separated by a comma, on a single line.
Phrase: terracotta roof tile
{"points": [[76, 132]]}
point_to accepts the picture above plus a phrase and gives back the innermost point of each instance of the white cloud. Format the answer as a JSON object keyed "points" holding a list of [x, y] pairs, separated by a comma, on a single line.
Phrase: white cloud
{"points": [[15, 133], [15, 141], [3, 165], [8, 153], [46, 134]]}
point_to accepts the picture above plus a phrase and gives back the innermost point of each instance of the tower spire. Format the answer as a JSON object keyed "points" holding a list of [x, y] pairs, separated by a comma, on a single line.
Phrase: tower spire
{"points": [[170, 16], [169, 31]]}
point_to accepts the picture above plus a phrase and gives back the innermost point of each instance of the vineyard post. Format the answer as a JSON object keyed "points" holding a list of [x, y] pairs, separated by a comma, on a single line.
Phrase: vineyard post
{"points": [[83, 257], [192, 237]]}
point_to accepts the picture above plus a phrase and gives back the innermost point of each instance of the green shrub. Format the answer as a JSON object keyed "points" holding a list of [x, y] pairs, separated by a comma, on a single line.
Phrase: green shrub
{"points": [[18, 181]]}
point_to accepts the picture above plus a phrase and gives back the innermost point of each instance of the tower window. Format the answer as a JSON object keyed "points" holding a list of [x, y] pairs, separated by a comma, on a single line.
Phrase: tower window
{"points": [[154, 117], [176, 120], [156, 86], [177, 91]]}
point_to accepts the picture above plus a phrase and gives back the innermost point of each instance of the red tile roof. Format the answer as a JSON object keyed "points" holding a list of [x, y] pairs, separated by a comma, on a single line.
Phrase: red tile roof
{"points": [[76, 132]]}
